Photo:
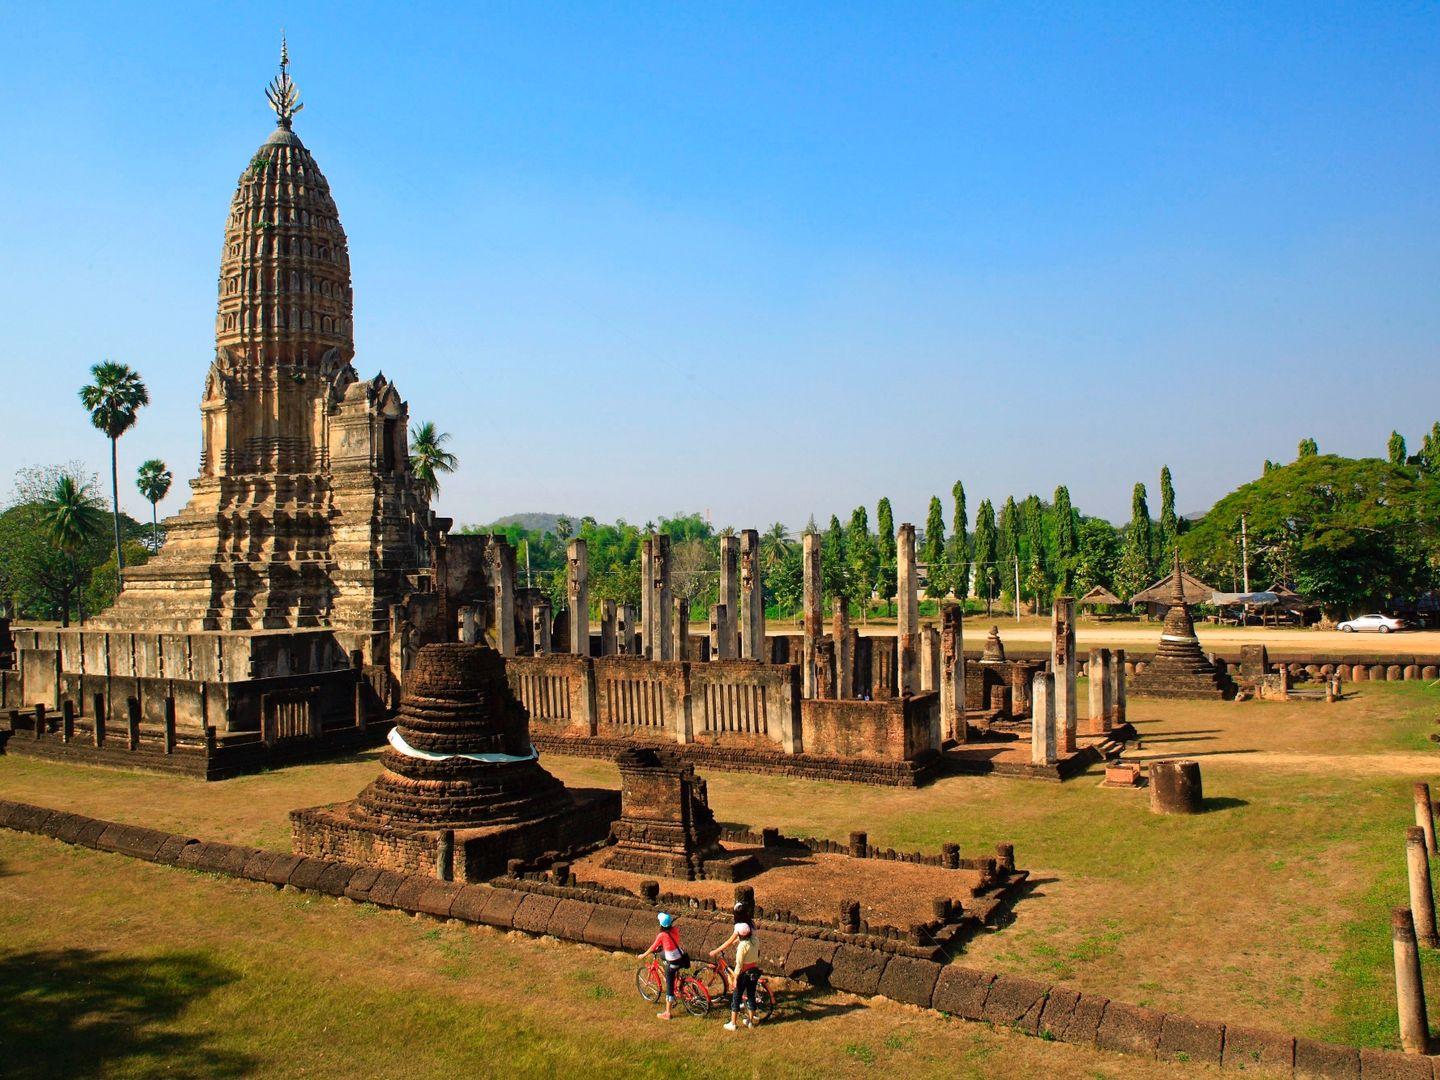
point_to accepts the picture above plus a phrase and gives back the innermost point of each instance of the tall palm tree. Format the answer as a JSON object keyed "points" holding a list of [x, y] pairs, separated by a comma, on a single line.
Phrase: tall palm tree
{"points": [[429, 458], [153, 480], [72, 518], [773, 544], [114, 399]]}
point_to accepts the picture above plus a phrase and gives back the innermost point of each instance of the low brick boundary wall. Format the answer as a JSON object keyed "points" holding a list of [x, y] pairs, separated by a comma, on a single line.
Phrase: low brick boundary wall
{"points": [[1034, 1007]]}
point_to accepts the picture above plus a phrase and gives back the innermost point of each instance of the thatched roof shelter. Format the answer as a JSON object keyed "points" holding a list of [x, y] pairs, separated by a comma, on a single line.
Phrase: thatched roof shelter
{"points": [[1196, 591], [1098, 595]]}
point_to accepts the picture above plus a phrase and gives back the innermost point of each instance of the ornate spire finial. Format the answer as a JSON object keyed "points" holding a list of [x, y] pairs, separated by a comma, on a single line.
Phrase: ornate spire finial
{"points": [[283, 94], [1177, 581]]}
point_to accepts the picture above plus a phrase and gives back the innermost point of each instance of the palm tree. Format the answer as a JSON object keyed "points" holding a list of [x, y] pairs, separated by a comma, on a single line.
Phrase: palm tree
{"points": [[773, 544], [153, 480], [113, 399], [72, 518], [429, 458]]}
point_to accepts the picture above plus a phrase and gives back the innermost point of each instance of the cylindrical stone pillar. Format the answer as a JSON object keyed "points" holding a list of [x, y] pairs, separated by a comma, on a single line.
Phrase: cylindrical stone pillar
{"points": [[1175, 787], [813, 621], [445, 855], [1409, 990], [1425, 815], [1044, 740], [1422, 896], [1117, 686]]}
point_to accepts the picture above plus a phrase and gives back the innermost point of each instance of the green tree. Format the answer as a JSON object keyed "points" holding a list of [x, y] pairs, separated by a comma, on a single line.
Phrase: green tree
{"points": [[987, 554], [564, 527], [1169, 523], [153, 479], [1395, 448], [113, 400], [1098, 558], [71, 517], [1010, 548], [1347, 533], [835, 581], [932, 551], [1038, 570], [1269, 465], [429, 458], [886, 576], [1430, 451], [1137, 563], [958, 555], [1067, 542], [1307, 448], [774, 545], [863, 556]]}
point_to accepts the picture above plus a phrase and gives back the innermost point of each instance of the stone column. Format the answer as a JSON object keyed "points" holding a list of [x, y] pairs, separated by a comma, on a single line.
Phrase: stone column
{"points": [[540, 627], [844, 648], [952, 672], [825, 681], [502, 582], [680, 631], [662, 611], [728, 647], [469, 625], [577, 589], [626, 631], [723, 641], [1425, 815], [752, 598], [929, 658], [1043, 745], [1101, 707], [907, 610], [647, 579], [607, 628], [1176, 787], [813, 623], [1422, 896], [1062, 662], [1409, 989], [1117, 686]]}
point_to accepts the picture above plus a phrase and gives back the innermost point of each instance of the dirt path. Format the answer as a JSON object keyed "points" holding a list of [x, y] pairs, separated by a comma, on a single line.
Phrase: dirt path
{"points": [[1390, 763]]}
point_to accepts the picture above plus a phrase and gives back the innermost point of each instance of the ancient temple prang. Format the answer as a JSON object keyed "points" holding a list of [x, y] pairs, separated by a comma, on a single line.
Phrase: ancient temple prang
{"points": [[1179, 669]]}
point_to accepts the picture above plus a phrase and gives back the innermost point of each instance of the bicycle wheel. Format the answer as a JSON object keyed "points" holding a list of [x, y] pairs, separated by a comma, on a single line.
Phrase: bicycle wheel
{"points": [[693, 995], [650, 990], [764, 1000], [716, 985]]}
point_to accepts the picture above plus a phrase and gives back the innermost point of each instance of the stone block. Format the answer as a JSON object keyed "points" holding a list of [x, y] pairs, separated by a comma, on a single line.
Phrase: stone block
{"points": [[336, 878], [1184, 1039], [500, 911], [257, 865], [717, 932], [70, 829], [407, 895], [775, 947], [32, 819], [171, 850], [1084, 1026], [910, 979], [437, 898], [361, 882], [1016, 1002], [640, 930], [210, 857], [1059, 1009], [607, 926], [1393, 1065], [812, 960], [569, 919], [89, 832], [1324, 1061], [533, 914], [279, 871], [307, 872], [383, 891], [55, 823], [858, 970], [961, 991], [1130, 1029], [8, 811], [1251, 1048]]}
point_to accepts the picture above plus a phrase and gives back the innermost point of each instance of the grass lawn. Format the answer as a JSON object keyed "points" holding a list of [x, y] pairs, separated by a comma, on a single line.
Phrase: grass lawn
{"points": [[1270, 909]]}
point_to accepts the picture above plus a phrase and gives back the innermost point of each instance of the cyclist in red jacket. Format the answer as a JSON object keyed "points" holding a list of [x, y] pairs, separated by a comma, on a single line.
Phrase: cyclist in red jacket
{"points": [[667, 944]]}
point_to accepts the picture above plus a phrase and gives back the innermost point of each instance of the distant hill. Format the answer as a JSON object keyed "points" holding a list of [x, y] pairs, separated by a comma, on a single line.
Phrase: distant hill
{"points": [[537, 522]]}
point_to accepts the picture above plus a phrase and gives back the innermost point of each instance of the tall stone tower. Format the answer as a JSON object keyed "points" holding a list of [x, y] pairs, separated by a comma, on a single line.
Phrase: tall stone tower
{"points": [[304, 514]]}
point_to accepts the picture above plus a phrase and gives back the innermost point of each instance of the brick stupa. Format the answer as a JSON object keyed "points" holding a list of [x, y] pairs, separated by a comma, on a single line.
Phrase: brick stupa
{"points": [[459, 760], [1179, 668]]}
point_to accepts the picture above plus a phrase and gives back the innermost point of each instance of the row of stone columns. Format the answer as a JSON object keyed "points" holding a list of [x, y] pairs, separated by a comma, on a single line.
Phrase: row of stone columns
{"points": [[1414, 926]]}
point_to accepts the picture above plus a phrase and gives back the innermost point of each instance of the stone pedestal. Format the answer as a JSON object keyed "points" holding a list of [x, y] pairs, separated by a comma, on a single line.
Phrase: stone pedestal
{"points": [[1175, 787]]}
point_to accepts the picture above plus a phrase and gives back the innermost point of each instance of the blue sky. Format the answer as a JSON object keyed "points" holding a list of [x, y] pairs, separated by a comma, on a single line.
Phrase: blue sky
{"points": [[760, 260]]}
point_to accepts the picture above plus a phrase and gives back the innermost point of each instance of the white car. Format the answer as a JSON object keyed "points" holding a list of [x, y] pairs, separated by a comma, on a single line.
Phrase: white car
{"points": [[1381, 624]]}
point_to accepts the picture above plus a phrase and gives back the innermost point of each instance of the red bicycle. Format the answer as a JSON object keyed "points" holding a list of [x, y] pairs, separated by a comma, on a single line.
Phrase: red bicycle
{"points": [[691, 992], [719, 982]]}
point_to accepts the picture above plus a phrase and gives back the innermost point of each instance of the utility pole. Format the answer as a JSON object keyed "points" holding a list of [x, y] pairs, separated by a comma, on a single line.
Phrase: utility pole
{"points": [[527, 564], [1017, 588], [1244, 554]]}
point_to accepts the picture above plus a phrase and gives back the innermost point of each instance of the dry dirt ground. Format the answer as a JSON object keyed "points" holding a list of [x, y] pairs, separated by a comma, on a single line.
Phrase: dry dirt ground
{"points": [[1269, 909]]}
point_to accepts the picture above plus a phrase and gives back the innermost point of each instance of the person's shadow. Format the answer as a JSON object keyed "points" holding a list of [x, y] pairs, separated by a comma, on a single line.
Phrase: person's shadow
{"points": [[79, 1012]]}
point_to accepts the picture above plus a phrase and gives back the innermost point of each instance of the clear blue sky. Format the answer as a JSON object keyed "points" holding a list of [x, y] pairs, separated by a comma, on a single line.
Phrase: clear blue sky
{"points": [[765, 260]]}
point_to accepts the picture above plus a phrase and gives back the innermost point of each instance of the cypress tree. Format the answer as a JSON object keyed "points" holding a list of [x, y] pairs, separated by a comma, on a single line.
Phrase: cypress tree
{"points": [[958, 556], [1169, 523], [933, 551], [1009, 547], [1396, 448], [1067, 542], [1137, 565], [885, 575], [1037, 568], [987, 552], [864, 559], [1307, 448]]}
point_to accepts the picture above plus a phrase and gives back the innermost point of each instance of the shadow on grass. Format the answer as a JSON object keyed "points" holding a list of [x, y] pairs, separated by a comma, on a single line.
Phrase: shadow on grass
{"points": [[73, 1012], [802, 1006], [1223, 802]]}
